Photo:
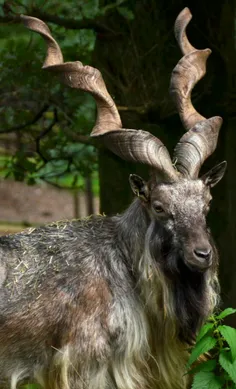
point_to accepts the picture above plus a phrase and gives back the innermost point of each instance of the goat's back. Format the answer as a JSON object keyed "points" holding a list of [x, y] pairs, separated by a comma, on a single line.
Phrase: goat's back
{"points": [[67, 298]]}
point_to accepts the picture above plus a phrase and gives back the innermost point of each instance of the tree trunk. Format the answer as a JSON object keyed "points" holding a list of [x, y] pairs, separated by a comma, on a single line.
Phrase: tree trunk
{"points": [[89, 195], [115, 193], [76, 204]]}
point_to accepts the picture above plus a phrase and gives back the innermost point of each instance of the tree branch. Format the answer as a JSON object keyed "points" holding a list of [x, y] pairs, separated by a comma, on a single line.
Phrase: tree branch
{"points": [[87, 24], [69, 23], [139, 109], [43, 134], [84, 139], [29, 123]]}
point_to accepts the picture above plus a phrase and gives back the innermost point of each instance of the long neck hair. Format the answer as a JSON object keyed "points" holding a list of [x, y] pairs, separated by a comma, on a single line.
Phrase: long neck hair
{"points": [[186, 296], [175, 300]]}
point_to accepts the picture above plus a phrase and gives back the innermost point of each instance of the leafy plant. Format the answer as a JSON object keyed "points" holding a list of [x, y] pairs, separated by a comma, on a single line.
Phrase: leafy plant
{"points": [[44, 126], [218, 368]]}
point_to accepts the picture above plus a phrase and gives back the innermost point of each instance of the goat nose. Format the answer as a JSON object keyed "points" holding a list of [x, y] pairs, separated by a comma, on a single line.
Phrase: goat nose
{"points": [[203, 254]]}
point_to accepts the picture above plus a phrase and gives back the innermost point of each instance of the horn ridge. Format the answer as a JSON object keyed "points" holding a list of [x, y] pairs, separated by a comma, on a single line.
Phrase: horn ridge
{"points": [[189, 70], [54, 54], [180, 26], [140, 146], [200, 140]]}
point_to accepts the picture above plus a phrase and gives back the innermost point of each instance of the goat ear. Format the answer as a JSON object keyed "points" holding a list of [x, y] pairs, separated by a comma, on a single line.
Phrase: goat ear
{"points": [[139, 187], [214, 175]]}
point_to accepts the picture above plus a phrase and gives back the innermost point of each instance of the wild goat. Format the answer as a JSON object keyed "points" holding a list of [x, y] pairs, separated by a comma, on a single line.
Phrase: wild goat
{"points": [[114, 302]]}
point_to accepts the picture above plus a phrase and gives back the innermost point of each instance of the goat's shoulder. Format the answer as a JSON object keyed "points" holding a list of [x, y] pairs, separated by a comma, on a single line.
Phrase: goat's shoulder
{"points": [[61, 256], [60, 238]]}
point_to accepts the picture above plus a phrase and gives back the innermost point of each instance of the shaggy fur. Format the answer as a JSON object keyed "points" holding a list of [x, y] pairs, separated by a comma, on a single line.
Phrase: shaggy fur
{"points": [[107, 302]]}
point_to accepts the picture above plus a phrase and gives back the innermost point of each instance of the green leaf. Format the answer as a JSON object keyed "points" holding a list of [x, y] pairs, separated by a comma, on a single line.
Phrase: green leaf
{"points": [[225, 313], [229, 334], [204, 330], [126, 13], [206, 380], [204, 345], [204, 366], [28, 165], [228, 366]]}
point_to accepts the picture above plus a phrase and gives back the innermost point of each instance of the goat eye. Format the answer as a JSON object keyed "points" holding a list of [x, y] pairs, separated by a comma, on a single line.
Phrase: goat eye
{"points": [[158, 208], [209, 203]]}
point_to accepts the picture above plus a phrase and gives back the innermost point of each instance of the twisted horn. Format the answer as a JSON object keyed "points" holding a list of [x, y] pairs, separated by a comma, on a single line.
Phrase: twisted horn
{"points": [[141, 146], [201, 138], [75, 75], [131, 145]]}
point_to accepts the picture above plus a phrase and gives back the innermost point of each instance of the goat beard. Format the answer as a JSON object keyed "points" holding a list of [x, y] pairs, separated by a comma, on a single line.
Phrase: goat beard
{"points": [[189, 288]]}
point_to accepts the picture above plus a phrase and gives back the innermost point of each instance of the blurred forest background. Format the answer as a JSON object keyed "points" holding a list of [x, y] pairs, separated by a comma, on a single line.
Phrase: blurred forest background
{"points": [[44, 126]]}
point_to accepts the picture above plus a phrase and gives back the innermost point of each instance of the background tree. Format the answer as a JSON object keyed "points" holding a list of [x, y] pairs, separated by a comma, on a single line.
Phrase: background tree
{"points": [[132, 43]]}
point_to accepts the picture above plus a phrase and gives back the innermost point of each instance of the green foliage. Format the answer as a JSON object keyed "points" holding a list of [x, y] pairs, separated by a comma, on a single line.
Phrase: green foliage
{"points": [[229, 334], [40, 118], [75, 9], [228, 364], [44, 126], [206, 380], [220, 370], [126, 13], [206, 344]]}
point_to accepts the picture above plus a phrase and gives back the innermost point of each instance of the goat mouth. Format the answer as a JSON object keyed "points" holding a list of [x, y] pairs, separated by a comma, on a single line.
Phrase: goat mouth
{"points": [[177, 264], [197, 266]]}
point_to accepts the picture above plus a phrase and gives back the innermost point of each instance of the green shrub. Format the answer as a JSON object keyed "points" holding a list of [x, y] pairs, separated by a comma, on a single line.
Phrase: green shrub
{"points": [[219, 370]]}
